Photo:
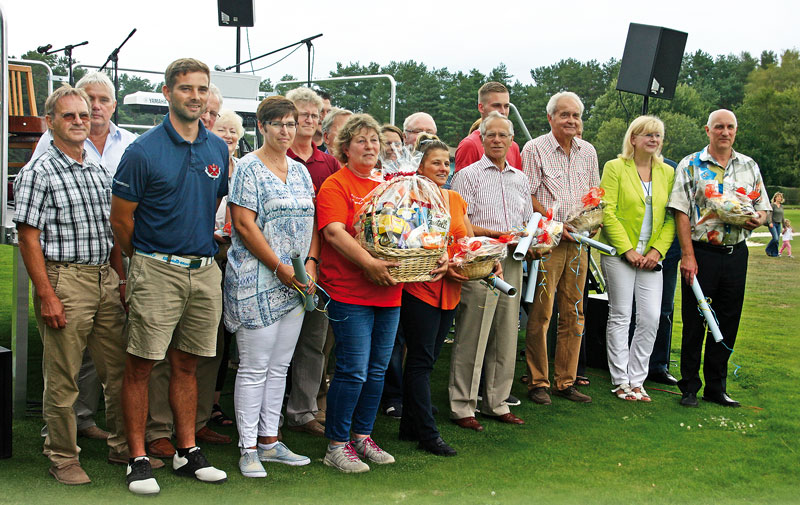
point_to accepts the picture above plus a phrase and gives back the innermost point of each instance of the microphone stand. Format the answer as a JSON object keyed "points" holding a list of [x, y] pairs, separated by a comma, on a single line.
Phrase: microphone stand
{"points": [[306, 41], [114, 57], [68, 52]]}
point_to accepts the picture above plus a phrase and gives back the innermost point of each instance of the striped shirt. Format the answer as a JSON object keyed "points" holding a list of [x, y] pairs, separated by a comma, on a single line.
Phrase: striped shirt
{"points": [[70, 203], [555, 177], [496, 199]]}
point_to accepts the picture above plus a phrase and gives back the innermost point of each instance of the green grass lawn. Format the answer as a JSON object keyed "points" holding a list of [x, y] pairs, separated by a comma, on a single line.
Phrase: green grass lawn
{"points": [[607, 452]]}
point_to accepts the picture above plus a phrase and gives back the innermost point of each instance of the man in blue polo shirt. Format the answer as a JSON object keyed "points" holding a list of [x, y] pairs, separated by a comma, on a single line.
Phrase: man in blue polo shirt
{"points": [[165, 195]]}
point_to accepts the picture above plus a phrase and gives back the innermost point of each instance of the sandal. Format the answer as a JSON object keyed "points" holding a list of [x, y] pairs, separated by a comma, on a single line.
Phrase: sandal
{"points": [[641, 394], [582, 381], [623, 392], [219, 417]]}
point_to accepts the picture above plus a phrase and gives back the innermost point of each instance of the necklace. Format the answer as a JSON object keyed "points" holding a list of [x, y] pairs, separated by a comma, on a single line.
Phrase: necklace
{"points": [[647, 187]]}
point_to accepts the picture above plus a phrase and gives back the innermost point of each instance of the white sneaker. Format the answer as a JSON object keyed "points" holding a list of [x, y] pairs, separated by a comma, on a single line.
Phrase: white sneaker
{"points": [[281, 454], [367, 448], [344, 458], [196, 465], [139, 477], [250, 466]]}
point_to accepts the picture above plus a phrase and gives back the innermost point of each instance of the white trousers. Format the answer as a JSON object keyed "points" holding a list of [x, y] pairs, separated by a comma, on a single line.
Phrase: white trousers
{"points": [[264, 357], [628, 363]]}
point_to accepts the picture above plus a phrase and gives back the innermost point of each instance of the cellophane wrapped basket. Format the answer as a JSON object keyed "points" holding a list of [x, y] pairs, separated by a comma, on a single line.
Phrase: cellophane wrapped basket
{"points": [[589, 216], [732, 206], [548, 234], [475, 257], [405, 220]]}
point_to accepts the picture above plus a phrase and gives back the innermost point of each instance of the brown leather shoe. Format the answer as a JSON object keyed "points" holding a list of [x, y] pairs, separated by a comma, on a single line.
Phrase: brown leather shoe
{"points": [[209, 436], [508, 418], [161, 448], [94, 433], [572, 393], [123, 458], [469, 423], [539, 395], [313, 427], [70, 473]]}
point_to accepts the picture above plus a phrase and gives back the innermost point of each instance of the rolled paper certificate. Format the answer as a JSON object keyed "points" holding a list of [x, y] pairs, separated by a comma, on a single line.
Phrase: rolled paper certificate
{"points": [[706, 310], [533, 274], [499, 284], [302, 277], [594, 243], [525, 242]]}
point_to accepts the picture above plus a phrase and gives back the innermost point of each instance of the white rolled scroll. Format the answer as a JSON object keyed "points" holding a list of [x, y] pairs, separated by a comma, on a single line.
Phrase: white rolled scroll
{"points": [[525, 242], [499, 284], [608, 249], [533, 274], [706, 310]]}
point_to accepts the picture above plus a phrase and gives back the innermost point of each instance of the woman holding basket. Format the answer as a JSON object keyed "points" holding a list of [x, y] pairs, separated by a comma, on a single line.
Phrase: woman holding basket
{"points": [[635, 221], [365, 301]]}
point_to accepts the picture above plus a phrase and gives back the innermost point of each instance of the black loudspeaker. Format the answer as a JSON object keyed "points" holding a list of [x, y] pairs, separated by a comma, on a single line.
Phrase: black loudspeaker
{"points": [[5, 402], [651, 61], [235, 13]]}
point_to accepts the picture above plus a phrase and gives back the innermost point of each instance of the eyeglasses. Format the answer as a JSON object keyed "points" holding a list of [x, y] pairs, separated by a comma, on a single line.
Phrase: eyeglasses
{"points": [[70, 116], [306, 115], [650, 135], [418, 131], [291, 125]]}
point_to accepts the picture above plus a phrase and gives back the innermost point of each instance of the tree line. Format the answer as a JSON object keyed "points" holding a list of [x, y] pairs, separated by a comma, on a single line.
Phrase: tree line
{"points": [[763, 91]]}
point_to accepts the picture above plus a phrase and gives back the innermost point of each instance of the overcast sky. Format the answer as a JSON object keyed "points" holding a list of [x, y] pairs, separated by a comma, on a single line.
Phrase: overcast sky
{"points": [[458, 35]]}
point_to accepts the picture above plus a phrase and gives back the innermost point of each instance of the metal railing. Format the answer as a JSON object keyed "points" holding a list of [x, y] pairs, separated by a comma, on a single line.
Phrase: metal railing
{"points": [[50, 76], [392, 86]]}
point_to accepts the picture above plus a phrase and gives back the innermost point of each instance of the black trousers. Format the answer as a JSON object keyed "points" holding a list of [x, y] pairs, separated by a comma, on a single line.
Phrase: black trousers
{"points": [[722, 276], [425, 328]]}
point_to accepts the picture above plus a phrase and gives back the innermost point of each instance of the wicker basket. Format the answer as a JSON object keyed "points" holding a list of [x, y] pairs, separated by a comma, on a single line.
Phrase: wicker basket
{"points": [[476, 269], [415, 264]]}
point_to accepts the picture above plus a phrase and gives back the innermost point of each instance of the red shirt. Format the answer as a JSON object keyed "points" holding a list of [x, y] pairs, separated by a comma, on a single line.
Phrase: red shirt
{"points": [[320, 166], [470, 150], [340, 197], [444, 294]]}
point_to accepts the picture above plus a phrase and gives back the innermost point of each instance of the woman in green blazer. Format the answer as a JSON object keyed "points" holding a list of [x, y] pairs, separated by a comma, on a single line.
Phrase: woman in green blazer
{"points": [[637, 223]]}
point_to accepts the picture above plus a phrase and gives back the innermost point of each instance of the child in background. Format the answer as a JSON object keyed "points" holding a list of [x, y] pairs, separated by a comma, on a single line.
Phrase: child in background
{"points": [[787, 238]]}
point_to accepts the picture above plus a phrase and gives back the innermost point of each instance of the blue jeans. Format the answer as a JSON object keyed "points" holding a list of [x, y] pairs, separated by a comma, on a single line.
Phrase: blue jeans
{"points": [[659, 358], [364, 339], [772, 247]]}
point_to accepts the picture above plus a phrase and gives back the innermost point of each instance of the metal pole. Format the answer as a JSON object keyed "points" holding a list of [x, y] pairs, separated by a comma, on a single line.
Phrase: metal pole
{"points": [[645, 103], [19, 334], [238, 49], [308, 45]]}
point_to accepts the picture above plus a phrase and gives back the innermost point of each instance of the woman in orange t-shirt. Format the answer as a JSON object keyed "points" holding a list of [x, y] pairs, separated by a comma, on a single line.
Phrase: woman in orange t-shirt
{"points": [[365, 302], [427, 313]]}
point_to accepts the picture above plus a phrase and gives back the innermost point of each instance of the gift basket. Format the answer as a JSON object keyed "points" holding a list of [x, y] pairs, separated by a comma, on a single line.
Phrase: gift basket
{"points": [[475, 257], [589, 216], [404, 220], [548, 233], [731, 206]]}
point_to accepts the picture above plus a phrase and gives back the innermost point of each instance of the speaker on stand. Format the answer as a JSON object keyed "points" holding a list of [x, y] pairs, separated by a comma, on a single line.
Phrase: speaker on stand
{"points": [[651, 62]]}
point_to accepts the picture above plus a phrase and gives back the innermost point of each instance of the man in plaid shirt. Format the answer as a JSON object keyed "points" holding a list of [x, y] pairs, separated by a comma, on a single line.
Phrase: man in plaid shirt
{"points": [[561, 169], [63, 200]]}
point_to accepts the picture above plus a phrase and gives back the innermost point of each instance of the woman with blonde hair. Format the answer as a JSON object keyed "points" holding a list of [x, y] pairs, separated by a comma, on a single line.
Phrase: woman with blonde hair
{"points": [[635, 221]]}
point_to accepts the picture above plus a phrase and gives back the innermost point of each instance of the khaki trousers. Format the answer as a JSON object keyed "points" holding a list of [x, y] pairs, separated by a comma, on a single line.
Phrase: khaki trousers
{"points": [[562, 272], [95, 320], [308, 364], [486, 336]]}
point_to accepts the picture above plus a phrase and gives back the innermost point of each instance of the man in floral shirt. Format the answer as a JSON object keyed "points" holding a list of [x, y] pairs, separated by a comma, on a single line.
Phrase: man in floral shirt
{"points": [[713, 253]]}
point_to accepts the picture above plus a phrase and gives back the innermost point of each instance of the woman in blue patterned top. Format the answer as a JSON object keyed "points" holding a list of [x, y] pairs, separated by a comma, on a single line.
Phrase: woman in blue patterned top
{"points": [[272, 211]]}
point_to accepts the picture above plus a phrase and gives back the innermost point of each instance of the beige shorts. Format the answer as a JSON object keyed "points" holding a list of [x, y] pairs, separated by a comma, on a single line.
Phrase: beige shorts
{"points": [[171, 306]]}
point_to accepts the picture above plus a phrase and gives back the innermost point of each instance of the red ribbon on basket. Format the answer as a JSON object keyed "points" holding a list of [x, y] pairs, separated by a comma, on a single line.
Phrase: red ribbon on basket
{"points": [[593, 197]]}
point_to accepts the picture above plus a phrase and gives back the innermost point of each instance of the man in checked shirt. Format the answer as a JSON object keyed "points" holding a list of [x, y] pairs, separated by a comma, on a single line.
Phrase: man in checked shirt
{"points": [[560, 168], [63, 200]]}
